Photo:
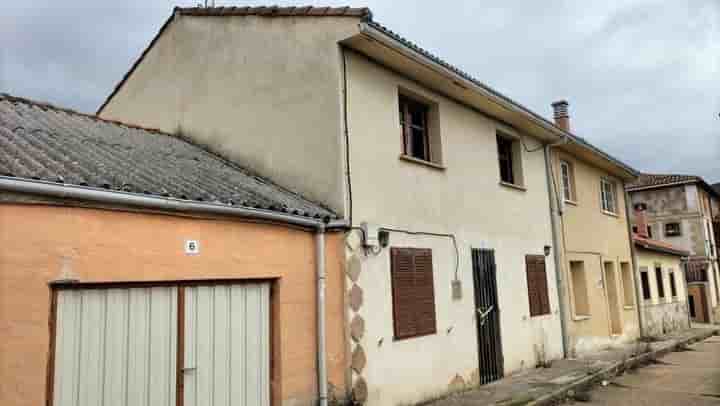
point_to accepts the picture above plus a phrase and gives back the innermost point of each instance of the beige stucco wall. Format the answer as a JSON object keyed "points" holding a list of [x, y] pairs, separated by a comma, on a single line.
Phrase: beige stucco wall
{"points": [[594, 237], [264, 91], [464, 199], [46, 243], [661, 316]]}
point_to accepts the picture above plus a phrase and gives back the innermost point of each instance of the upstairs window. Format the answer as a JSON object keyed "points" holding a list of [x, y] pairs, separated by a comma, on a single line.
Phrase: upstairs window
{"points": [[608, 196], [568, 181], [509, 160], [414, 126], [672, 229]]}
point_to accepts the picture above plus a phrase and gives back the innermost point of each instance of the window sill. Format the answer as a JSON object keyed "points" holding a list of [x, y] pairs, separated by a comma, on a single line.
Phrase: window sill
{"points": [[395, 338], [433, 165], [513, 186], [626, 307], [609, 213], [581, 318], [571, 202]]}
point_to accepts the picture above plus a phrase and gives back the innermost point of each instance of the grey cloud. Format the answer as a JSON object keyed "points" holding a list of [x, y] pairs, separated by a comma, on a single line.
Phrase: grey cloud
{"points": [[641, 75]]}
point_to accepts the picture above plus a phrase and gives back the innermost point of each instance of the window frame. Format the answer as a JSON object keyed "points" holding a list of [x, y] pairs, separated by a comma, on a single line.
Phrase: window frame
{"points": [[399, 332], [673, 284], [569, 192], [660, 281], [509, 164], [613, 211], [645, 283], [405, 102], [676, 233]]}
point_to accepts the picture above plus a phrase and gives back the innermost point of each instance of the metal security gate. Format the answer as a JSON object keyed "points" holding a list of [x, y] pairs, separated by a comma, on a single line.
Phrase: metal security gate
{"points": [[487, 315], [163, 345]]}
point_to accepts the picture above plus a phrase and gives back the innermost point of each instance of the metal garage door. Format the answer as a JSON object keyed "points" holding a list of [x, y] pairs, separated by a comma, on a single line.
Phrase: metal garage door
{"points": [[119, 346]]}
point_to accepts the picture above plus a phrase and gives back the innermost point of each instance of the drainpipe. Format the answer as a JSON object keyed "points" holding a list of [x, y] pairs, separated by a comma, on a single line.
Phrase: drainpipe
{"points": [[65, 191], [556, 246], [636, 270], [321, 356]]}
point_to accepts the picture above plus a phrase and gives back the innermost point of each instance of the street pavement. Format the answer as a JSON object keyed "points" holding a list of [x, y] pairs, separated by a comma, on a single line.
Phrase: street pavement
{"points": [[686, 378]]}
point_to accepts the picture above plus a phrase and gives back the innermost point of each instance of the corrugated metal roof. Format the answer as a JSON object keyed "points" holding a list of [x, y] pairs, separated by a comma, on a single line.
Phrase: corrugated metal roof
{"points": [[43, 142]]}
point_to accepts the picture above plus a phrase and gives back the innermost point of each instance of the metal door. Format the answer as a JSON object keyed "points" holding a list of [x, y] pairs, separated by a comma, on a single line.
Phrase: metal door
{"points": [[487, 315], [227, 345], [115, 347]]}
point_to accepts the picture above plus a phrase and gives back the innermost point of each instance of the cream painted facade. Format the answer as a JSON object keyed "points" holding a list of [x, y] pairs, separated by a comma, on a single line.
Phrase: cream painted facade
{"points": [[599, 296], [662, 315]]}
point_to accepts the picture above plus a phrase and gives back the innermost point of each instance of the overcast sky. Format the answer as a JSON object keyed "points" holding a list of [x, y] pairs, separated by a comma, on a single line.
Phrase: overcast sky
{"points": [[642, 76]]}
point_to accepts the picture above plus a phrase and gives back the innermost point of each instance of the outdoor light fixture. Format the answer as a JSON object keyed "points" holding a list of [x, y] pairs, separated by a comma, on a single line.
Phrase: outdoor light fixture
{"points": [[546, 249]]}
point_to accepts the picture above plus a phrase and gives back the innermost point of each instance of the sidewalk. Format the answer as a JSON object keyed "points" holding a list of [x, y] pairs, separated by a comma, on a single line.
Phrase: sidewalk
{"points": [[543, 386]]}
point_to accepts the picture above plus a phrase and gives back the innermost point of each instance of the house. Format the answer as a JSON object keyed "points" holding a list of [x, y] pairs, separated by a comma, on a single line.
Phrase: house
{"points": [[139, 268], [450, 254], [660, 269], [680, 211], [599, 292]]}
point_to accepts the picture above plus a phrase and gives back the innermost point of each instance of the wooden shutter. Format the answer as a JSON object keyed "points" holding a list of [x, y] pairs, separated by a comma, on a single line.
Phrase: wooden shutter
{"points": [[413, 292], [537, 285]]}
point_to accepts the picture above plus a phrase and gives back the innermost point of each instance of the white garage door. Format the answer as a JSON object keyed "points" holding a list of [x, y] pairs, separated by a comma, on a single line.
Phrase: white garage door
{"points": [[118, 346]]}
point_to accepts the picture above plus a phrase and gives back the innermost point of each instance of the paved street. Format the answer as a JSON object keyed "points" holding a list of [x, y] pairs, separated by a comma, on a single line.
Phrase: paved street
{"points": [[680, 378]]}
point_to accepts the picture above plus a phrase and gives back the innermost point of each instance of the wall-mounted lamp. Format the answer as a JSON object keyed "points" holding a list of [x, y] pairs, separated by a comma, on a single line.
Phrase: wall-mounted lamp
{"points": [[546, 249]]}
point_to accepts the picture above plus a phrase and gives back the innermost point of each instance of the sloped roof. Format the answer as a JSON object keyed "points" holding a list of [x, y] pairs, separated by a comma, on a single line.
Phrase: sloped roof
{"points": [[651, 181], [658, 246], [42, 142], [276, 11]]}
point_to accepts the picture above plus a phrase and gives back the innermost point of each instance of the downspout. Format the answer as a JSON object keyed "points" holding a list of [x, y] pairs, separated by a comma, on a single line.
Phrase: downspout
{"points": [[635, 266], [321, 356], [554, 208], [65, 191]]}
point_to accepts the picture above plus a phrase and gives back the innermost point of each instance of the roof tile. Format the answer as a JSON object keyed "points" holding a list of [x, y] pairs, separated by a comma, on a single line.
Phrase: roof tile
{"points": [[44, 142]]}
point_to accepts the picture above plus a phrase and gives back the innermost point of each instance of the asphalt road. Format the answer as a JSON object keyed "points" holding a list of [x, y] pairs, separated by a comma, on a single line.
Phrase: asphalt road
{"points": [[682, 378]]}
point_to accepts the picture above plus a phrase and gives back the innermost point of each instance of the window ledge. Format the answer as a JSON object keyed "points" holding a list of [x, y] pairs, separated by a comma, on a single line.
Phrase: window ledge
{"points": [[581, 318], [627, 307], [571, 202], [609, 213], [433, 165], [513, 186]]}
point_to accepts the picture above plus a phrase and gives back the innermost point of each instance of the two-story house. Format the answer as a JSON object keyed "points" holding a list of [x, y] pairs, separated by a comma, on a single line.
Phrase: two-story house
{"points": [[680, 211], [444, 182], [599, 288]]}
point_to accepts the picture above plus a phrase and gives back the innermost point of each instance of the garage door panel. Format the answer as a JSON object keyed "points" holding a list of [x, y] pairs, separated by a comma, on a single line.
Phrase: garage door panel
{"points": [[224, 345], [106, 349]]}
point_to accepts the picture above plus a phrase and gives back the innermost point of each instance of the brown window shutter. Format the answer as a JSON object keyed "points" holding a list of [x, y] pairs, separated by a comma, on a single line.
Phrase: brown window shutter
{"points": [[537, 285], [413, 292], [424, 292]]}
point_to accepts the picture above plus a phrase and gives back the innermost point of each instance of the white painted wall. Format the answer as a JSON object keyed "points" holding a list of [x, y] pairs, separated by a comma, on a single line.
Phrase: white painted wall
{"points": [[465, 199]]}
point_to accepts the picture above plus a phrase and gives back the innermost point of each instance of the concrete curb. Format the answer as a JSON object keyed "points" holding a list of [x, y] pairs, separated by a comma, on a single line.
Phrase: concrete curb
{"points": [[585, 383]]}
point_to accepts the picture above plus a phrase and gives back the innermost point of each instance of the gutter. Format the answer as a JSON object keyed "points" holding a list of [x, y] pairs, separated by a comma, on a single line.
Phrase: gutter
{"points": [[555, 207], [65, 191]]}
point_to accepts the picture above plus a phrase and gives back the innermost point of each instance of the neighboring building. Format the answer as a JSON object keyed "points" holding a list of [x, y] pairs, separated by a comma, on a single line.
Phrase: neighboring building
{"points": [[162, 270], [600, 291], [661, 271], [680, 211], [450, 277]]}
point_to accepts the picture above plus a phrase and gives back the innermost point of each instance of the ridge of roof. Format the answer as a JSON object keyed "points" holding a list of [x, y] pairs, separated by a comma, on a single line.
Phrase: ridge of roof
{"points": [[277, 11], [78, 149]]}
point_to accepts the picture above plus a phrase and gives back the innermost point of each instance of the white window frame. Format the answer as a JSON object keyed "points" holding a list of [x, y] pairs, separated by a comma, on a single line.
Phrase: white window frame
{"points": [[566, 175], [604, 200]]}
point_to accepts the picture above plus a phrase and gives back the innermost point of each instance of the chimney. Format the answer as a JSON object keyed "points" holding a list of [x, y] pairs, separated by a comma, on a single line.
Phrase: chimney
{"points": [[560, 114], [641, 219]]}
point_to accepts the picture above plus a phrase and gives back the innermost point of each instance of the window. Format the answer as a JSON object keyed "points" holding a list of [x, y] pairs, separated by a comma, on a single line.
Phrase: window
{"points": [[537, 285], [649, 231], [413, 292], [414, 126], [568, 181], [635, 229], [608, 196], [627, 281], [510, 160], [579, 286], [659, 280], [645, 281], [672, 229], [673, 287]]}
